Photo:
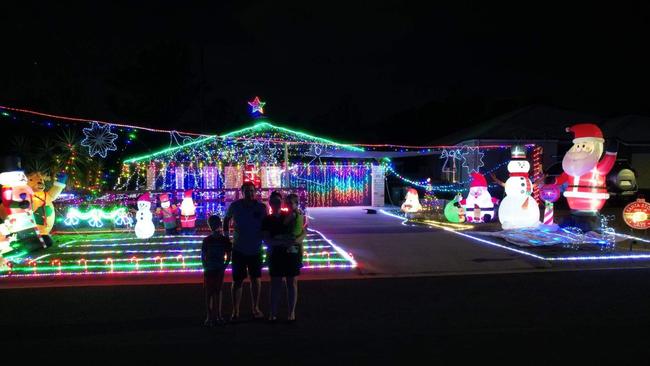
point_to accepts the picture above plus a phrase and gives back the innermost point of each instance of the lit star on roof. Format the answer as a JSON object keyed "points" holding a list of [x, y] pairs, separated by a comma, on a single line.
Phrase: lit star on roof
{"points": [[257, 106]]}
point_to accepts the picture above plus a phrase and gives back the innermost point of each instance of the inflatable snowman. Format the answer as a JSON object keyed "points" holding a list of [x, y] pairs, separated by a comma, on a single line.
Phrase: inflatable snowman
{"points": [[518, 208], [412, 201], [479, 200], [144, 225]]}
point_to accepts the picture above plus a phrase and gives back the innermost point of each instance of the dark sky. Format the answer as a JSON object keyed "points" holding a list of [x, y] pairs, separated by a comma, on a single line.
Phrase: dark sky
{"points": [[359, 71]]}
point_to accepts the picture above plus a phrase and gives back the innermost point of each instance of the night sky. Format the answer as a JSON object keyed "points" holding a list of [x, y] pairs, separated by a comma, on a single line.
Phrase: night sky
{"points": [[357, 71]]}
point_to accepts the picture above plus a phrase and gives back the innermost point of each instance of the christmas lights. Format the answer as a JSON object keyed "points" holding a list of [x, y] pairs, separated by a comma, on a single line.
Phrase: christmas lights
{"points": [[167, 254], [451, 188], [257, 106], [95, 217], [99, 139], [333, 184]]}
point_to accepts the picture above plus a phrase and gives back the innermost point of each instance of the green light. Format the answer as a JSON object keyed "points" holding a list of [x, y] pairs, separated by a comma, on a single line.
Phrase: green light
{"points": [[266, 125], [5, 114], [168, 150], [257, 126]]}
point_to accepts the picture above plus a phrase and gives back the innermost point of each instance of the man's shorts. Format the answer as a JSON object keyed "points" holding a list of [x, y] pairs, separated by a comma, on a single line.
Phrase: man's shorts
{"points": [[246, 265]]}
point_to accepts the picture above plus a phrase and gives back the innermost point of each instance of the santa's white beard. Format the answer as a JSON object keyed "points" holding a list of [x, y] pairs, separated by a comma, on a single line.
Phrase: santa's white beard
{"points": [[578, 163]]}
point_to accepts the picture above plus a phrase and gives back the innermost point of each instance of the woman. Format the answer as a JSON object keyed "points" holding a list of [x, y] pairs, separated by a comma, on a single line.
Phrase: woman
{"points": [[283, 234]]}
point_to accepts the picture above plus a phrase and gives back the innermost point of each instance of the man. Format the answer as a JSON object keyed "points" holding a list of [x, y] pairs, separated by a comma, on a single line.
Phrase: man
{"points": [[247, 213]]}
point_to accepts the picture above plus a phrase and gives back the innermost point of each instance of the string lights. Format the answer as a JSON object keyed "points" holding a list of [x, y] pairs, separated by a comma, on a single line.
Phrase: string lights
{"points": [[168, 254]]}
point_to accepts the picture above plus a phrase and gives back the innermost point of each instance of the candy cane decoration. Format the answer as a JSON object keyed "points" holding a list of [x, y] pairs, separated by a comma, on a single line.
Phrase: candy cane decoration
{"points": [[180, 258], [548, 213], [85, 262], [137, 262], [159, 259], [57, 262], [109, 261], [328, 257], [32, 263]]}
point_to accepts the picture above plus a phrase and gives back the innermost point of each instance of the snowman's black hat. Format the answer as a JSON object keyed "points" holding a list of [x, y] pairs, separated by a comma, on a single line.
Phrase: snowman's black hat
{"points": [[10, 163]]}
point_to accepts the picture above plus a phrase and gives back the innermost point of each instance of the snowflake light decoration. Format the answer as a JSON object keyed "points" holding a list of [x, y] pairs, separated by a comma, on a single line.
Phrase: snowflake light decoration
{"points": [[478, 162], [99, 139]]}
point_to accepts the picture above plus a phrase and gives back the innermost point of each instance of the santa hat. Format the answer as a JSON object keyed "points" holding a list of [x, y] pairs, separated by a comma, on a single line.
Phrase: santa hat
{"points": [[144, 197], [164, 197], [586, 132], [187, 194], [478, 180]]}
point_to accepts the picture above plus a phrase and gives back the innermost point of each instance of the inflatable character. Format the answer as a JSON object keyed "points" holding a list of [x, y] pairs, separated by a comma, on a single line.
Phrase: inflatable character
{"points": [[454, 211], [188, 213], [479, 199], [167, 212], [584, 171], [412, 201], [42, 201], [144, 219], [518, 208], [17, 207]]}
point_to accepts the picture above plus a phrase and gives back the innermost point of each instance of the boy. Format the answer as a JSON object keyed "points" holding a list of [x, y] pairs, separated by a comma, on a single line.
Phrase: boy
{"points": [[215, 256]]}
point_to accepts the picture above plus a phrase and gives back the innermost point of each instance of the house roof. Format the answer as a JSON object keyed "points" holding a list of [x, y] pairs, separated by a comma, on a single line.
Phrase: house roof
{"points": [[538, 122], [534, 122]]}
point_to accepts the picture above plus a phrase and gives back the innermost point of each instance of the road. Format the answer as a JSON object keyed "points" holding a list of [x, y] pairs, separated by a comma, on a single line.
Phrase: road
{"points": [[532, 318]]}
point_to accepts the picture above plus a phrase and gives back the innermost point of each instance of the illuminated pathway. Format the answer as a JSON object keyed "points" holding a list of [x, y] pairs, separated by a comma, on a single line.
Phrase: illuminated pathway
{"points": [[383, 245]]}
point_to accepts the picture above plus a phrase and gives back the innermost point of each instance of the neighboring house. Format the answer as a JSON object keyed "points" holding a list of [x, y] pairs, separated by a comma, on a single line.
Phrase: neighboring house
{"points": [[545, 126]]}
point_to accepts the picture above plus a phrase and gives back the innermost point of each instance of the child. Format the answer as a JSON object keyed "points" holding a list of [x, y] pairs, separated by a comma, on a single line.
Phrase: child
{"points": [[215, 256], [294, 223]]}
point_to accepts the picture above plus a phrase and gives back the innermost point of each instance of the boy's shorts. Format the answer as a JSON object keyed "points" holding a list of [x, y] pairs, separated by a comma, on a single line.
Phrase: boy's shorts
{"points": [[246, 265], [212, 279]]}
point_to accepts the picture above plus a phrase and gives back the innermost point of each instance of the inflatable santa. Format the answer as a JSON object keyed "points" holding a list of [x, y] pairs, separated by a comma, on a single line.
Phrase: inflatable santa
{"points": [[188, 213], [584, 171], [412, 201], [479, 200]]}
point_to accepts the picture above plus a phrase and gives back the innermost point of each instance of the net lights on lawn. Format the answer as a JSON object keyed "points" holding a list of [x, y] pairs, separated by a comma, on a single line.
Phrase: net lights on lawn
{"points": [[589, 258], [320, 253]]}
